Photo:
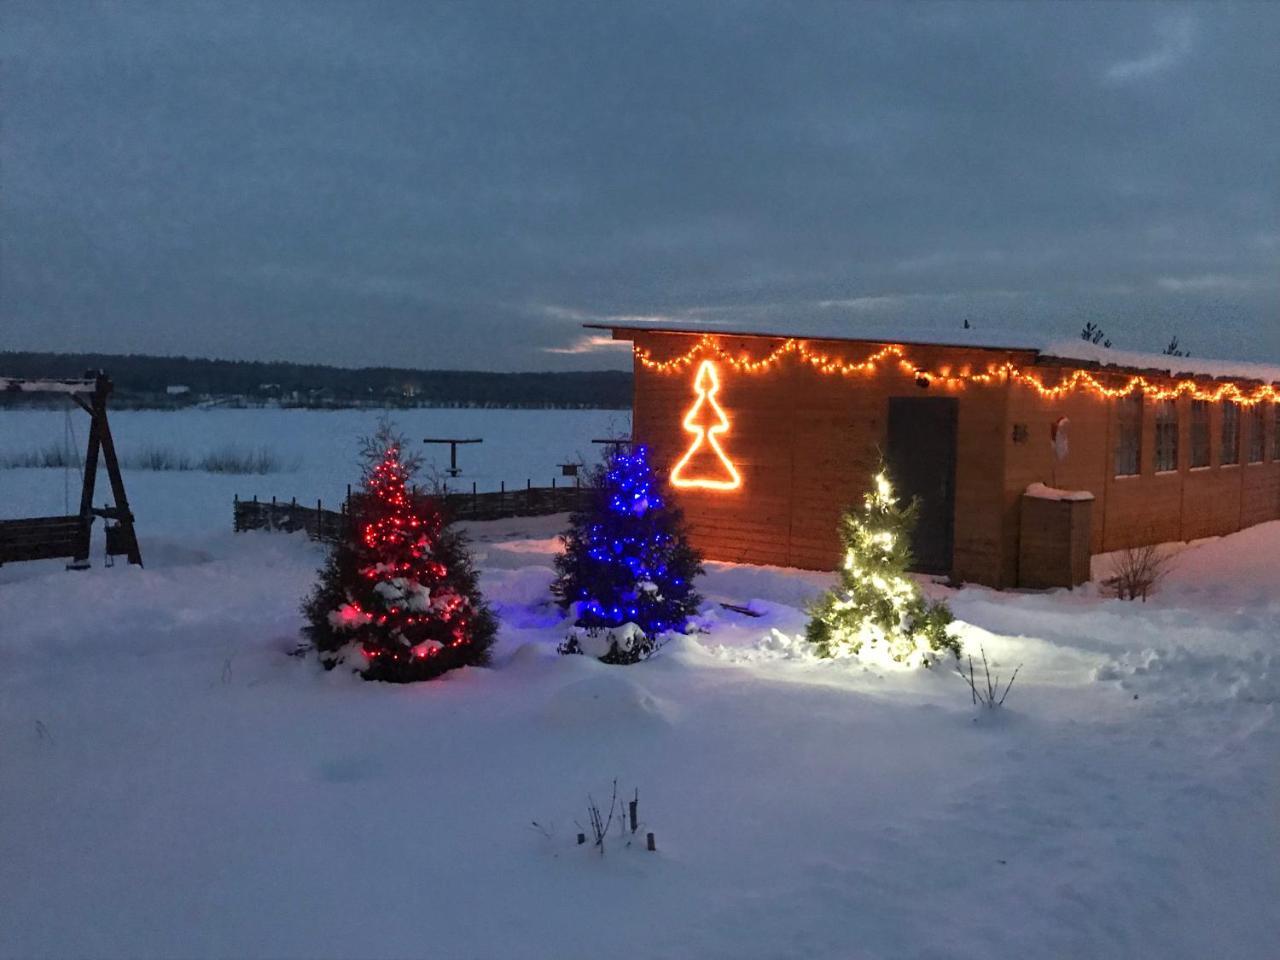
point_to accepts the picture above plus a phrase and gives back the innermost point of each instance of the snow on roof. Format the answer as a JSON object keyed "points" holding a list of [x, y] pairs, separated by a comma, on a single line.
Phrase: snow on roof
{"points": [[986, 337], [1096, 353]]}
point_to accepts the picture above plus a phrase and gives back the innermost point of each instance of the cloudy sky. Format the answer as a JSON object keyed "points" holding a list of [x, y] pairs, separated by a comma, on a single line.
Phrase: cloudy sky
{"points": [[465, 184]]}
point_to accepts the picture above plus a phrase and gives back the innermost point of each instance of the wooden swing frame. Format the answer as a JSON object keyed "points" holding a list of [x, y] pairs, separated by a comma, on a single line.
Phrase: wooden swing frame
{"points": [[47, 538]]}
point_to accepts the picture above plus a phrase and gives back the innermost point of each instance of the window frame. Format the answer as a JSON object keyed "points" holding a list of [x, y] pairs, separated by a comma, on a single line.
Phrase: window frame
{"points": [[1168, 423], [1129, 416], [1256, 442], [1230, 414], [1201, 452]]}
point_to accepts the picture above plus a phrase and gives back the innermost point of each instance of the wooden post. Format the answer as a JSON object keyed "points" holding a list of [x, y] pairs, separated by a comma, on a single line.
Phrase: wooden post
{"points": [[650, 843], [81, 559], [123, 515]]}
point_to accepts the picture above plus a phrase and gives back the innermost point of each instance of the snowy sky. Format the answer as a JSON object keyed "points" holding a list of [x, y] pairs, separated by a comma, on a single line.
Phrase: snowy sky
{"points": [[462, 185]]}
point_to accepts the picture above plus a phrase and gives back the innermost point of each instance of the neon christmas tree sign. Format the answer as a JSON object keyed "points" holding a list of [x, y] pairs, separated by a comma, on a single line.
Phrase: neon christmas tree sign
{"points": [[704, 464]]}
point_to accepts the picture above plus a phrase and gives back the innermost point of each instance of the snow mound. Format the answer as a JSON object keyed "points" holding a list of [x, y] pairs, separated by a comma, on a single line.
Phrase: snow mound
{"points": [[531, 656], [527, 586], [1184, 674], [605, 702]]}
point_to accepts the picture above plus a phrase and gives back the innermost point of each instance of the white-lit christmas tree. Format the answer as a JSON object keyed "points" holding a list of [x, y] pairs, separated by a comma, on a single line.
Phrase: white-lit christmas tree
{"points": [[876, 605]]}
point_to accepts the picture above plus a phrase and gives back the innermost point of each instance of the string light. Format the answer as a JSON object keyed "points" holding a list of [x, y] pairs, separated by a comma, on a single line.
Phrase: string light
{"points": [[411, 584], [707, 384], [633, 556], [896, 355]]}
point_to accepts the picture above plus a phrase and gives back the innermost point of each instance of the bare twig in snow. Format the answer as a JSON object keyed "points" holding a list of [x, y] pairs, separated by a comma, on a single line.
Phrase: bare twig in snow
{"points": [[987, 697]]}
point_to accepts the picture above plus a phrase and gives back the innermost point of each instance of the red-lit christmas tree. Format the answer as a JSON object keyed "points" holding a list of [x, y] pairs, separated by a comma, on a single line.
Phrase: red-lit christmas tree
{"points": [[398, 598]]}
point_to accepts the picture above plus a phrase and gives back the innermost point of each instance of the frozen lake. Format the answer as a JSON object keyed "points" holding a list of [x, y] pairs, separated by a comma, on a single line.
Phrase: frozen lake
{"points": [[317, 449]]}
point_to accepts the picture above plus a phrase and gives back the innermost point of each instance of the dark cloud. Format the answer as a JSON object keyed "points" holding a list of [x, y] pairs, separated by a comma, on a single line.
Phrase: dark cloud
{"points": [[464, 184]]}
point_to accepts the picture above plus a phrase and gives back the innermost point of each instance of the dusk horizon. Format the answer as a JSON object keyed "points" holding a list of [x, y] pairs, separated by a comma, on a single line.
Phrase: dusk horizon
{"points": [[465, 186]]}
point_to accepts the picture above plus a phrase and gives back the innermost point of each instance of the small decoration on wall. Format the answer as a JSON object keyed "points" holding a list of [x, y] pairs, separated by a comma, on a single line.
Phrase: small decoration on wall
{"points": [[1020, 433], [1058, 435], [705, 464]]}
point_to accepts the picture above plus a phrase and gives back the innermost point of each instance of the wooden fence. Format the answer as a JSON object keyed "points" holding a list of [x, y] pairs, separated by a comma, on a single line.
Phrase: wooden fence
{"points": [[330, 525]]}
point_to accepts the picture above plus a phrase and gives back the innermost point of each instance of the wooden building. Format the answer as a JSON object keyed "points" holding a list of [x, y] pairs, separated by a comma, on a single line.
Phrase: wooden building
{"points": [[767, 438]]}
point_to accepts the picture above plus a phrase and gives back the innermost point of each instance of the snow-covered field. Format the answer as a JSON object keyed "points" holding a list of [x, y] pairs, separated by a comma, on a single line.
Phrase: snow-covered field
{"points": [[172, 784]]}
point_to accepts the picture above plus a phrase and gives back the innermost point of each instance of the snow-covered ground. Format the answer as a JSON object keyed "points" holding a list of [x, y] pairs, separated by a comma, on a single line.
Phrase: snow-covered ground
{"points": [[172, 784]]}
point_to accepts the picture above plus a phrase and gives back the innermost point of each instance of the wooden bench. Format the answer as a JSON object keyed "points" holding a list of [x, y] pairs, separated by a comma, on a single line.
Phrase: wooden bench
{"points": [[43, 538]]}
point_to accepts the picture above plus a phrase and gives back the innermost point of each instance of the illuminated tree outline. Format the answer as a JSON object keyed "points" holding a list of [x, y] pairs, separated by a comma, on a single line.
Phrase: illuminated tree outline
{"points": [[707, 384]]}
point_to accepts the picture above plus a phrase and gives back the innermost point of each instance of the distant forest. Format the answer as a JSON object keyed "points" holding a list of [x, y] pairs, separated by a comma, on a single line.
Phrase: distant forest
{"points": [[143, 381]]}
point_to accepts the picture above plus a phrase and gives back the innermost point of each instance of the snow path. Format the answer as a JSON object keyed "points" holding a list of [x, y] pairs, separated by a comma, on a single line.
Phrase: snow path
{"points": [[174, 785]]}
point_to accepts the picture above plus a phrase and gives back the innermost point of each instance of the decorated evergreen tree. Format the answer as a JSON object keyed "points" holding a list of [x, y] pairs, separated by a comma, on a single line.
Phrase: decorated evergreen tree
{"points": [[876, 604], [626, 573], [398, 597]]}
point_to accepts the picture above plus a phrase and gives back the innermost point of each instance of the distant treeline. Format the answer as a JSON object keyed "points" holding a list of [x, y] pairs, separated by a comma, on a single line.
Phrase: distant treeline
{"points": [[160, 381]]}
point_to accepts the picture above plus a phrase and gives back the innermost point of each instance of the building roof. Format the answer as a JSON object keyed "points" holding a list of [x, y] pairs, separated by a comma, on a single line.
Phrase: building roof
{"points": [[1082, 351], [1065, 352], [1001, 342]]}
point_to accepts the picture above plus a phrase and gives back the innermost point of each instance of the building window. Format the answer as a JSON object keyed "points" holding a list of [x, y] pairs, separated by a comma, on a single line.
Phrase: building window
{"points": [[1129, 435], [1166, 435], [1200, 452], [1257, 433], [1230, 433]]}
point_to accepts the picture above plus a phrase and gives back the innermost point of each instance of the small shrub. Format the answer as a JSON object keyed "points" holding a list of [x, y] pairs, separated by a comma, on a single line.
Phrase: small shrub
{"points": [[1137, 571], [50, 456], [618, 645], [155, 457], [600, 820], [988, 692], [239, 460]]}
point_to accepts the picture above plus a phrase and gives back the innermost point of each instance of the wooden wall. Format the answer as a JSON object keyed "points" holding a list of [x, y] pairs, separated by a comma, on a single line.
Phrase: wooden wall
{"points": [[806, 444], [1182, 504]]}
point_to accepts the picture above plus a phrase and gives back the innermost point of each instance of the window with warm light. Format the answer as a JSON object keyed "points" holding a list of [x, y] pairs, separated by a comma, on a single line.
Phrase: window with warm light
{"points": [[1201, 446], [1129, 435], [1166, 435], [1257, 433], [1230, 433]]}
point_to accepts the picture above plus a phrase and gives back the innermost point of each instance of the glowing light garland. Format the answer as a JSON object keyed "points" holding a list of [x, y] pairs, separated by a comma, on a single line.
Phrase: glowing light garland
{"points": [[896, 354], [707, 384]]}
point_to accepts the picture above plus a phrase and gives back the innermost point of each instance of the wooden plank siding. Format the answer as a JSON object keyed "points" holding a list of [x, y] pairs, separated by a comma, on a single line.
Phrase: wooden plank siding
{"points": [[806, 444], [1153, 507]]}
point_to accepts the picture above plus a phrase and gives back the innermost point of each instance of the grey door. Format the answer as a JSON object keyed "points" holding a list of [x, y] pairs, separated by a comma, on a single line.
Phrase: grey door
{"points": [[922, 461]]}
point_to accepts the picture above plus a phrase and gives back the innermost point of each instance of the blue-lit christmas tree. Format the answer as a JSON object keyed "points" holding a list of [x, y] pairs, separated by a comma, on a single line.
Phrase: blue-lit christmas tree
{"points": [[626, 573]]}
